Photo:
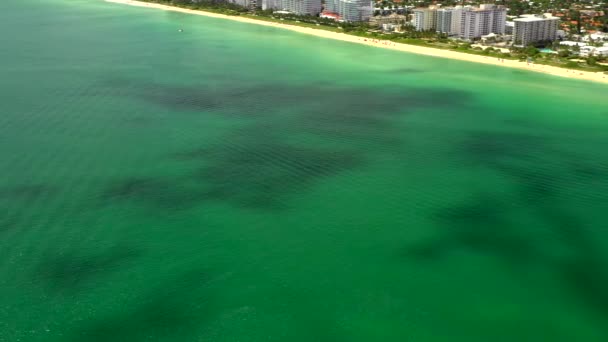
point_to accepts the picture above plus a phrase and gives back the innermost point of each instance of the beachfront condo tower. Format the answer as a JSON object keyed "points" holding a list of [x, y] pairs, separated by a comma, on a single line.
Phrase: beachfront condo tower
{"points": [[270, 4], [425, 19], [531, 28], [444, 20], [477, 22], [349, 10], [463, 22], [299, 7], [244, 3]]}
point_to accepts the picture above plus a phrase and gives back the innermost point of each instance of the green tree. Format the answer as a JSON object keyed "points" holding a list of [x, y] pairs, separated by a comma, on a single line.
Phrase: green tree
{"points": [[531, 51], [592, 61]]}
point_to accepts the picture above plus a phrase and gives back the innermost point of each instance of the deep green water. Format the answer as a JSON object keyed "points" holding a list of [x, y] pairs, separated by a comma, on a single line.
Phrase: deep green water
{"points": [[242, 183]]}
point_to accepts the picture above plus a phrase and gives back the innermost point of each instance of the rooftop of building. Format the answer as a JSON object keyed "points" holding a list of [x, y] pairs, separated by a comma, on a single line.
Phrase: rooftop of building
{"points": [[482, 7], [533, 17], [571, 43]]}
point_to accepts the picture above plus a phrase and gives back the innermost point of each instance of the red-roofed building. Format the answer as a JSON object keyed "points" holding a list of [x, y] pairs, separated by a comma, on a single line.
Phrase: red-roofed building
{"points": [[330, 15]]}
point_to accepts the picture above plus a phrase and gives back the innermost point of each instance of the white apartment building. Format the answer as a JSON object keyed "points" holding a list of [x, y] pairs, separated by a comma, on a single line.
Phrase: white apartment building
{"points": [[499, 18], [350, 10], [457, 20], [244, 3], [271, 4], [444, 20], [331, 6], [477, 22], [530, 29], [571, 43], [588, 51], [601, 51], [299, 7], [356, 10], [425, 19], [464, 22]]}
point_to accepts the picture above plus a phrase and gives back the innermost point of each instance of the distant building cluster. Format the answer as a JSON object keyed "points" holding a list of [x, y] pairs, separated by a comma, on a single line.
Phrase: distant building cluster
{"points": [[348, 10], [465, 22], [299, 7], [586, 50]]}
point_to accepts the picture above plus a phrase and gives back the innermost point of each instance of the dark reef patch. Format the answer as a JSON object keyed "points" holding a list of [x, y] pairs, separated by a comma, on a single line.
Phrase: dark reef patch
{"points": [[589, 170], [257, 165], [482, 225], [165, 193], [139, 121], [196, 154], [181, 307], [355, 114], [136, 187], [260, 175], [304, 100], [255, 175], [26, 192], [492, 147], [8, 222], [588, 276], [74, 270], [407, 71], [474, 226], [152, 321]]}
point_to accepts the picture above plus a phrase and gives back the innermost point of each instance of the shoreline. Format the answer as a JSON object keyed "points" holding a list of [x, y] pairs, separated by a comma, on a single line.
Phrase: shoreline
{"points": [[420, 50]]}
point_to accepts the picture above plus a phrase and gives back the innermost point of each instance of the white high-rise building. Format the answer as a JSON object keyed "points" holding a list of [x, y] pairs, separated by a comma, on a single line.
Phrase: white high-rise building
{"points": [[350, 10], [499, 20], [456, 25], [463, 22], [299, 7], [444, 20], [355, 10], [271, 4], [425, 19], [530, 29], [477, 22], [244, 3], [332, 6], [474, 23]]}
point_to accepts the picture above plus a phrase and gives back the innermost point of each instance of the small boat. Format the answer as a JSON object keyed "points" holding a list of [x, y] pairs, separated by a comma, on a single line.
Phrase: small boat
{"points": [[180, 30]]}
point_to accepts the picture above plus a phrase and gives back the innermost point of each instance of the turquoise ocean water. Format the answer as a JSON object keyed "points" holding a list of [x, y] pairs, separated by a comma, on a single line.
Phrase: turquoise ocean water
{"points": [[242, 183]]}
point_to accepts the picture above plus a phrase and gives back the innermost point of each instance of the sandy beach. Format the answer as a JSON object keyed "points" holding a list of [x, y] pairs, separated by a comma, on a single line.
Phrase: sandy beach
{"points": [[427, 51]]}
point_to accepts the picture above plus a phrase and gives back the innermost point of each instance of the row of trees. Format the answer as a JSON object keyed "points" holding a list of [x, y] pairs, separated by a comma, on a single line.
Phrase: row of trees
{"points": [[216, 5]]}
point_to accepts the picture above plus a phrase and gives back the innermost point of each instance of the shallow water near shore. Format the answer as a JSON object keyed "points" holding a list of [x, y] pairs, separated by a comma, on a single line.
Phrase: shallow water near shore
{"points": [[236, 182]]}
